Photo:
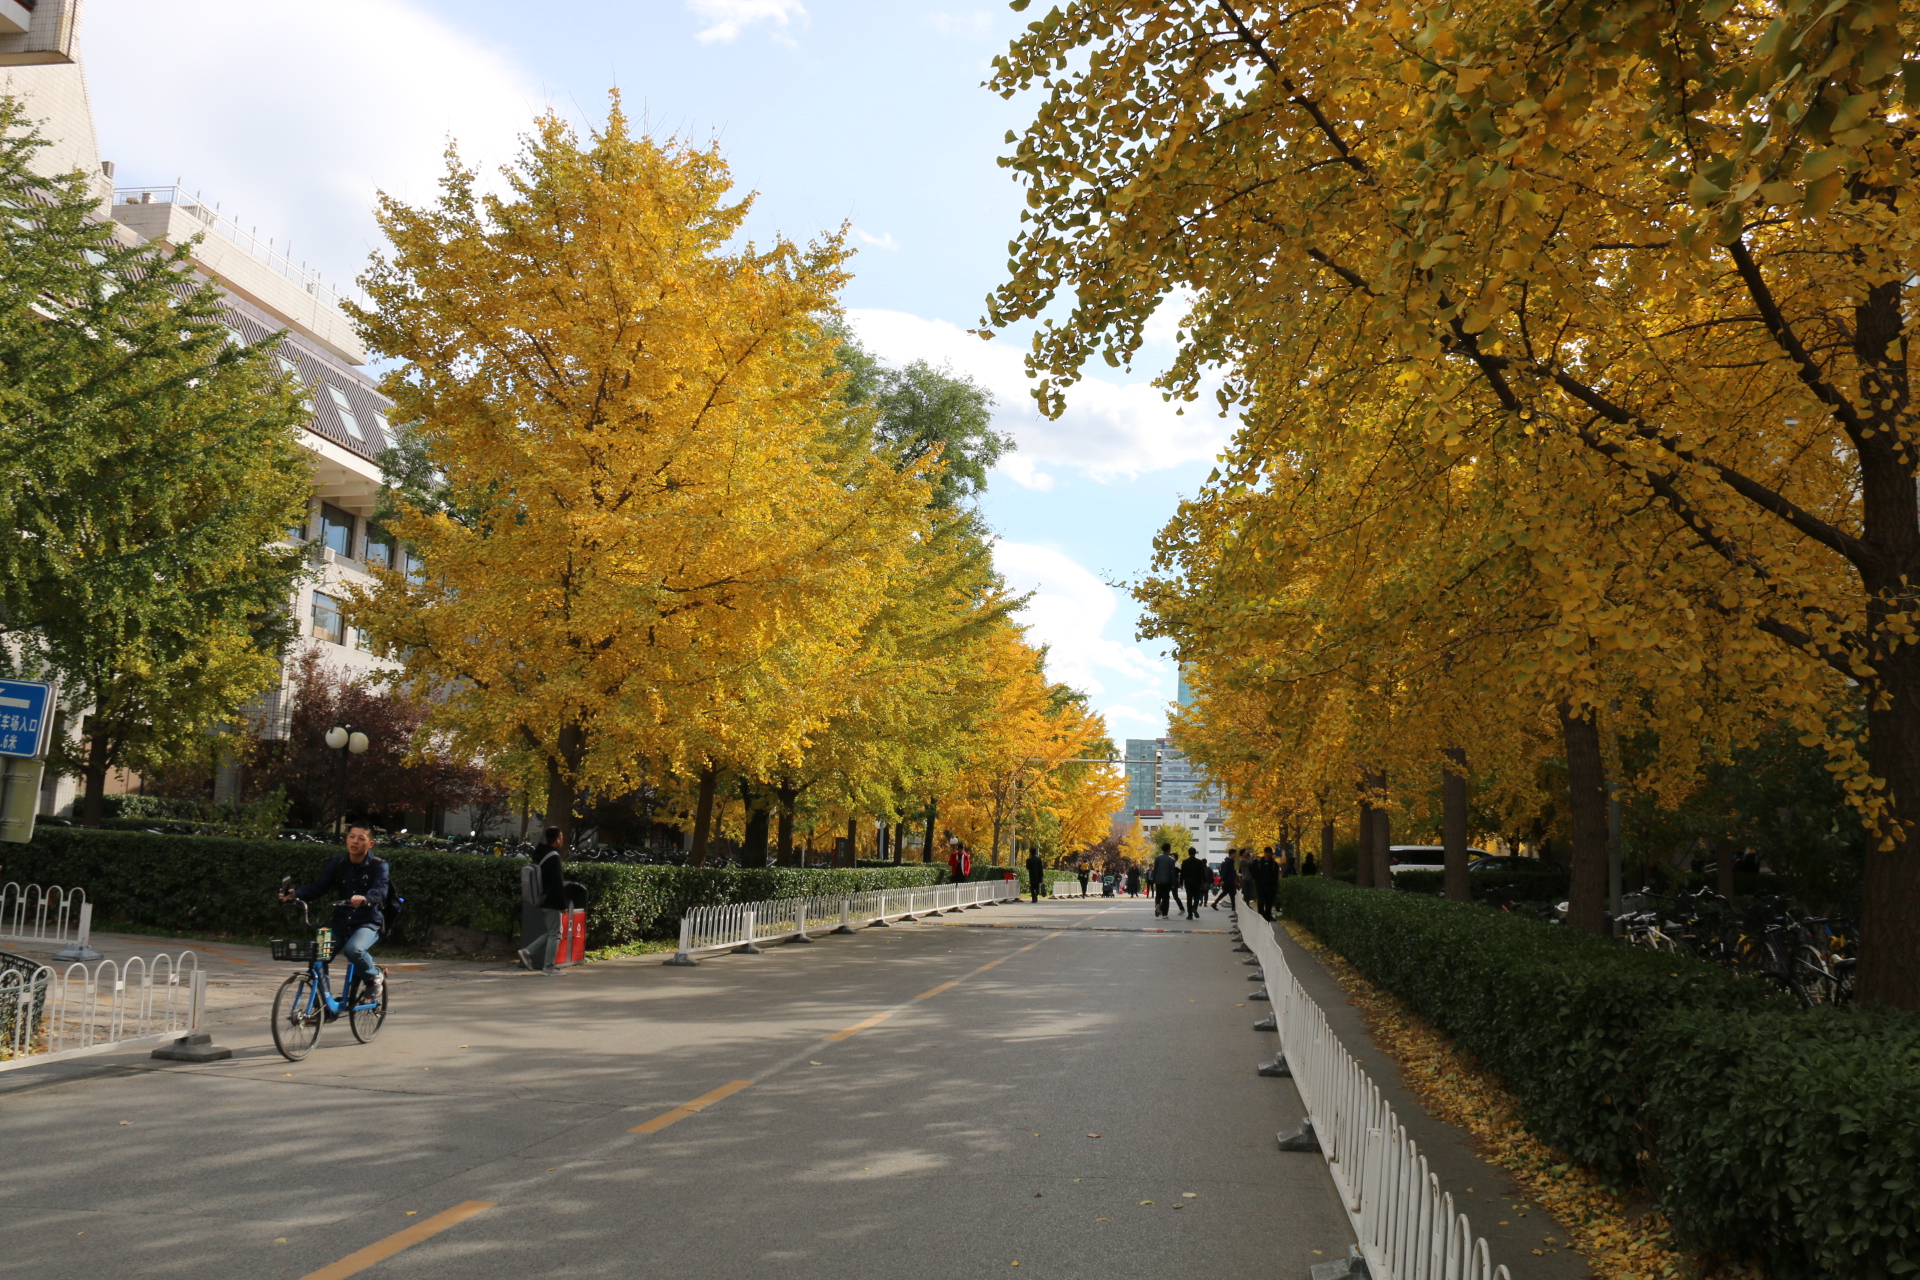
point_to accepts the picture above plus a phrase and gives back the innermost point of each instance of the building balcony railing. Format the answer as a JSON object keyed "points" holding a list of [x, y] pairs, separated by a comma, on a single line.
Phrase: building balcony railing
{"points": [[224, 227]]}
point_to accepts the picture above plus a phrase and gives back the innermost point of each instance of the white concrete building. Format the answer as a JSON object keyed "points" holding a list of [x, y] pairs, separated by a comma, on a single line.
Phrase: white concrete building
{"points": [[265, 294]]}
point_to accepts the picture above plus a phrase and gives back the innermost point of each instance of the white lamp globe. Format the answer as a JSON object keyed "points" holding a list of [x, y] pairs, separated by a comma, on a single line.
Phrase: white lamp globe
{"points": [[336, 737], [357, 743]]}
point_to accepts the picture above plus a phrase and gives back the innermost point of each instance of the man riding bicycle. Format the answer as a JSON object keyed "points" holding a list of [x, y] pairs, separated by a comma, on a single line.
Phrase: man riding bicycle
{"points": [[361, 879]]}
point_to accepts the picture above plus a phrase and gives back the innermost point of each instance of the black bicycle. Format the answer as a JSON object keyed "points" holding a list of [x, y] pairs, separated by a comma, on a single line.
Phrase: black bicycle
{"points": [[305, 1002]]}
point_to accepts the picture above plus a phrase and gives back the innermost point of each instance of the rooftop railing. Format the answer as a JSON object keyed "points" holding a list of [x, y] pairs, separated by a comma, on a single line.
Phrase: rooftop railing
{"points": [[263, 251]]}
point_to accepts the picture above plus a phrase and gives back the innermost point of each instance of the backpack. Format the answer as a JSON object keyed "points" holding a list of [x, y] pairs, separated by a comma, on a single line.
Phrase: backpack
{"points": [[530, 890], [393, 904]]}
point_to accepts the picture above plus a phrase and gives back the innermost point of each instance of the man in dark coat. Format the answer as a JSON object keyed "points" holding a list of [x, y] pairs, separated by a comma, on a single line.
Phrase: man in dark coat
{"points": [[1229, 882], [1197, 877], [1266, 883], [1133, 881], [1036, 873], [359, 881], [1164, 874], [539, 953]]}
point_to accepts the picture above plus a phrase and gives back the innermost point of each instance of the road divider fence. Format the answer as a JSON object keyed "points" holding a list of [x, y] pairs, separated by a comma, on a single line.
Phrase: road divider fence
{"points": [[47, 917], [49, 1014], [1405, 1224], [745, 926]]}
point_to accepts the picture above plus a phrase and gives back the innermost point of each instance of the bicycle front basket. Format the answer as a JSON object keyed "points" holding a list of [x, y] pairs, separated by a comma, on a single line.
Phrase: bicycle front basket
{"points": [[303, 950]]}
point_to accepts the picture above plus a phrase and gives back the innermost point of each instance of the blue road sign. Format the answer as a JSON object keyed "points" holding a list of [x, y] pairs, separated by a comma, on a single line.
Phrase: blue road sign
{"points": [[25, 715]]}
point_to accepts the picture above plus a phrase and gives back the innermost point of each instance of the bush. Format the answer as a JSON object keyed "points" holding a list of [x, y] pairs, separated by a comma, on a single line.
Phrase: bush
{"points": [[1554, 1013], [1545, 883], [1792, 1135], [1763, 1130], [217, 885]]}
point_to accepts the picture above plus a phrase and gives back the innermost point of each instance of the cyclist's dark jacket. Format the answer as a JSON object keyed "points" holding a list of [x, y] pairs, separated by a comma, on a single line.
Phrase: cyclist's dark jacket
{"points": [[345, 878]]}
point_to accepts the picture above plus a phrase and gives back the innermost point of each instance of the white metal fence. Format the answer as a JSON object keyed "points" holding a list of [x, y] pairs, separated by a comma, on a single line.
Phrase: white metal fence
{"points": [[743, 926], [51, 916], [1406, 1225], [48, 1014]]}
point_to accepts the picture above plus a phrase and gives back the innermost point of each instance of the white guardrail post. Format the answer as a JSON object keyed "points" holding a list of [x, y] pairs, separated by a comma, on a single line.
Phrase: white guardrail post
{"points": [[1406, 1226], [54, 1015]]}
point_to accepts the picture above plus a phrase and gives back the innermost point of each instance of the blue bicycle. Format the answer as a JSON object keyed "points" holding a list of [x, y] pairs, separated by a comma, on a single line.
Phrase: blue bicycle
{"points": [[305, 1002]]}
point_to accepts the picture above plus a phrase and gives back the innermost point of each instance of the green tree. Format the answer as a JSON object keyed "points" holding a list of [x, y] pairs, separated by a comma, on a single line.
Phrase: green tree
{"points": [[922, 410], [149, 463]]}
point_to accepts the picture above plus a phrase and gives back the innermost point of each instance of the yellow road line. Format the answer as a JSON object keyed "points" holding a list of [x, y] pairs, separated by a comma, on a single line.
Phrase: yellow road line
{"points": [[858, 1027], [945, 986], [681, 1112], [354, 1263]]}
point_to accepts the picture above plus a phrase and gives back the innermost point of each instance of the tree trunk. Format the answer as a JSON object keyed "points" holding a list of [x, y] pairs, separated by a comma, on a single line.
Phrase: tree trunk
{"points": [[1382, 840], [1363, 849], [853, 842], [926, 851], [1326, 848], [788, 793], [93, 807], [1453, 824], [1889, 971], [1723, 867], [894, 833], [1587, 818], [753, 839], [703, 818], [563, 764]]}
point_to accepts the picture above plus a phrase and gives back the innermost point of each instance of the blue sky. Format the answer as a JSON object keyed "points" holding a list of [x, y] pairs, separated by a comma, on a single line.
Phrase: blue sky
{"points": [[292, 113]]}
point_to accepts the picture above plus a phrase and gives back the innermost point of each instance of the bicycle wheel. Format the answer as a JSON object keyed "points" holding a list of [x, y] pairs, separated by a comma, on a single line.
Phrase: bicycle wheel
{"points": [[365, 1020], [296, 1017]]}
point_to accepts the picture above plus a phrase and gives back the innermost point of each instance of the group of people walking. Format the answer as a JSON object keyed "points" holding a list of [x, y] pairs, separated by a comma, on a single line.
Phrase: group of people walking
{"points": [[1240, 875]]}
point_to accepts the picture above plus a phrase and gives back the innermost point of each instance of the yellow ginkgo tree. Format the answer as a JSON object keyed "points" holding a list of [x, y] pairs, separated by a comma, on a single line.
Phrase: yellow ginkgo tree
{"points": [[646, 533]]}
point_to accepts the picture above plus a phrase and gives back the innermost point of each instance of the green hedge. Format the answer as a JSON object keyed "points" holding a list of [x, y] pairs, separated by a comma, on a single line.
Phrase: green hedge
{"points": [[1546, 883], [1764, 1131], [1555, 1013], [1793, 1135], [217, 885]]}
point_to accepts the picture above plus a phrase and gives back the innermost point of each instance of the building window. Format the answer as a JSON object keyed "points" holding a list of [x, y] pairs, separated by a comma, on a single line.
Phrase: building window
{"points": [[299, 383], [327, 623], [416, 567], [379, 548], [298, 532], [347, 419], [336, 529], [386, 430]]}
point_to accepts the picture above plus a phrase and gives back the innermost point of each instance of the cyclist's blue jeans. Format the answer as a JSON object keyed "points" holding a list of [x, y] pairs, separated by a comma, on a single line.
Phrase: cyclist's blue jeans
{"points": [[355, 948]]}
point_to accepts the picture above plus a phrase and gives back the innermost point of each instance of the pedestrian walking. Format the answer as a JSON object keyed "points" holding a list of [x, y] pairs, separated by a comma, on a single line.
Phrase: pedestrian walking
{"points": [[1133, 882], [1196, 875], [1310, 866], [1229, 882], [1266, 883], [1036, 873], [552, 901], [1165, 873], [1085, 873]]}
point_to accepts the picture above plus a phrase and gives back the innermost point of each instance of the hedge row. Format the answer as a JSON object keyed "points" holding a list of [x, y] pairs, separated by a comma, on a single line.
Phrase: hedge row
{"points": [[217, 885], [1763, 1130]]}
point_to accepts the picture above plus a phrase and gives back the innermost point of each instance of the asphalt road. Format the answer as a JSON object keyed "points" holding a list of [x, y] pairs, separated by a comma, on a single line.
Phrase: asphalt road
{"points": [[915, 1101]]}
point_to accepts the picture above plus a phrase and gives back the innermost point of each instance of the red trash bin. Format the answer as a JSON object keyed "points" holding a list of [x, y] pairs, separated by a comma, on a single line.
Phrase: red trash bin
{"points": [[573, 938]]}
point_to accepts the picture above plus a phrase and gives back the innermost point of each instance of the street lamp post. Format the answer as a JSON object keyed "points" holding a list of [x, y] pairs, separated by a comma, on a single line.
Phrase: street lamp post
{"points": [[348, 741]]}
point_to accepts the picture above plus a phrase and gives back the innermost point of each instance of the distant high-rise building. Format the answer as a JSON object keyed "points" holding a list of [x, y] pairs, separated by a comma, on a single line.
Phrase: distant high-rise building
{"points": [[1163, 786]]}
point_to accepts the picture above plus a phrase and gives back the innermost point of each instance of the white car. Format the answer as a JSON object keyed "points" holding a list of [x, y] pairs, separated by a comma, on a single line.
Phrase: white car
{"points": [[1423, 857]]}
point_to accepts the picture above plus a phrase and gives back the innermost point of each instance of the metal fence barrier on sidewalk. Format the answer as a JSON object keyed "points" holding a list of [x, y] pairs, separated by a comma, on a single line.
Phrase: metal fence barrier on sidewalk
{"points": [[1405, 1224], [743, 926], [48, 1014], [49, 917]]}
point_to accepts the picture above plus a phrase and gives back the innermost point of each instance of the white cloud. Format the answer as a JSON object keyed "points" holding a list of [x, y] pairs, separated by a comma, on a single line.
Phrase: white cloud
{"points": [[884, 240], [1109, 429], [1019, 468], [731, 17], [292, 114], [1068, 613], [971, 23]]}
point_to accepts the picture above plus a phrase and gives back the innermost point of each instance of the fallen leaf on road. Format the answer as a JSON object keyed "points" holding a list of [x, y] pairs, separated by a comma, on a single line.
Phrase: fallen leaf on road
{"points": [[1038, 1194], [1179, 1206], [413, 1213], [280, 1240], [1538, 1254], [1103, 1219], [1092, 1135], [126, 1122], [1146, 1202]]}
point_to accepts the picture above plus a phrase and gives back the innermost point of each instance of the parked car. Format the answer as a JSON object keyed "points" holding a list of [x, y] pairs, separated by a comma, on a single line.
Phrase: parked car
{"points": [[1427, 857], [1509, 862]]}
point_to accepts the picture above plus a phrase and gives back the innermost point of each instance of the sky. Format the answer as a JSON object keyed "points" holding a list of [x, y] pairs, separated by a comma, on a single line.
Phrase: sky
{"points": [[292, 114]]}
